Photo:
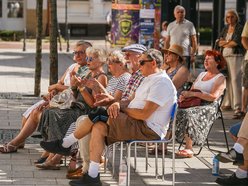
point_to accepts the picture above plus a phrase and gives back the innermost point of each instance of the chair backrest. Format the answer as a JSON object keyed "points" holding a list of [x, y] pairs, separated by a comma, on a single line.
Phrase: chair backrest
{"points": [[173, 111], [222, 98]]}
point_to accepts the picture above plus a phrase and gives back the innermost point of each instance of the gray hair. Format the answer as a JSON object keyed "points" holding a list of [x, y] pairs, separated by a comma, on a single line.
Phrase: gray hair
{"points": [[233, 12], [155, 55], [118, 56], [82, 42], [179, 7], [100, 53]]}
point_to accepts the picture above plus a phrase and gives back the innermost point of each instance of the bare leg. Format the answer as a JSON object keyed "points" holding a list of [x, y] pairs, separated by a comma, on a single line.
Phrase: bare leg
{"points": [[29, 127], [24, 120], [189, 142], [84, 128], [98, 133]]}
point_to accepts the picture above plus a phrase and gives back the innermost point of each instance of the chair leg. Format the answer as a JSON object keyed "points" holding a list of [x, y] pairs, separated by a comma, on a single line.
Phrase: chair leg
{"points": [[224, 130], [163, 175], [146, 157], [156, 160], [135, 156], [128, 163], [105, 159], [113, 160], [181, 143]]}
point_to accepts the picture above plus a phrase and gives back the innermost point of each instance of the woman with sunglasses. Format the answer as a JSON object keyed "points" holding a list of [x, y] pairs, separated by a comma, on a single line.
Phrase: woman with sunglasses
{"points": [[193, 123], [56, 123], [233, 51]]}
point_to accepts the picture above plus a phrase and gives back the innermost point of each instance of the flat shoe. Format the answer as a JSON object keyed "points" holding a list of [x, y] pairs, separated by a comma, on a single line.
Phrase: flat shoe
{"points": [[45, 166], [71, 171], [55, 147], [186, 153]]}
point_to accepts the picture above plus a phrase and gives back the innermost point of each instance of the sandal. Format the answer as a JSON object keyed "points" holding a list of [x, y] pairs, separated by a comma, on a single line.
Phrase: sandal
{"points": [[8, 148], [186, 153], [41, 160]]}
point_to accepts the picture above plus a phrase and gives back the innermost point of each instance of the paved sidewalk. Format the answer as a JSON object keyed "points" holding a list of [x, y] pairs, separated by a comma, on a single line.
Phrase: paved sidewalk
{"points": [[17, 82]]}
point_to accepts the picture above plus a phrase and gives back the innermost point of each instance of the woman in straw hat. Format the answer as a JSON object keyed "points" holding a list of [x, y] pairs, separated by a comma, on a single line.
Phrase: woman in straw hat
{"points": [[176, 70], [194, 123], [178, 73]]}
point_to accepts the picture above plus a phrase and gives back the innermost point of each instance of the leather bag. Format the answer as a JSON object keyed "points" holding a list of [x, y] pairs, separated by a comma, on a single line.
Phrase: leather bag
{"points": [[191, 101]]}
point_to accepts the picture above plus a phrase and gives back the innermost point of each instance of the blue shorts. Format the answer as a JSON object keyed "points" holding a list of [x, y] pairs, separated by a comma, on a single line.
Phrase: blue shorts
{"points": [[234, 130]]}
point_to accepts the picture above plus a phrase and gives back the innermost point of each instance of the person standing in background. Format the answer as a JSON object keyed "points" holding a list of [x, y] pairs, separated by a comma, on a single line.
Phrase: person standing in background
{"points": [[182, 32], [232, 50]]}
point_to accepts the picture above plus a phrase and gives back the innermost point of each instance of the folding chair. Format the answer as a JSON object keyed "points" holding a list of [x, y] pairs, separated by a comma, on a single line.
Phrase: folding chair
{"points": [[129, 144], [219, 112]]}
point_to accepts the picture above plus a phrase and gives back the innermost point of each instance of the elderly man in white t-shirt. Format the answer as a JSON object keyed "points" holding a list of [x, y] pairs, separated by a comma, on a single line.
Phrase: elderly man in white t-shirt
{"points": [[182, 32], [145, 118]]}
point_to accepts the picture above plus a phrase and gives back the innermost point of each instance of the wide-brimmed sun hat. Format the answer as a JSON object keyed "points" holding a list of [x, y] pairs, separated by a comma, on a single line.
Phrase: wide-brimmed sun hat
{"points": [[176, 49]]}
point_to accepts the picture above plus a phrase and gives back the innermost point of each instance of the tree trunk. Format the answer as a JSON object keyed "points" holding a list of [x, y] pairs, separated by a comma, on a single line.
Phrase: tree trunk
{"points": [[53, 43], [38, 66]]}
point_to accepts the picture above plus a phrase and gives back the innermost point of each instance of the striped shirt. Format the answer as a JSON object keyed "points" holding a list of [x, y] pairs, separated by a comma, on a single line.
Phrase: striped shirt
{"points": [[118, 83]]}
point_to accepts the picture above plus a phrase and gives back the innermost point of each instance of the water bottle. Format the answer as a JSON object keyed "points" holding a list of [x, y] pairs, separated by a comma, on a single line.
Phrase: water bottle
{"points": [[216, 167], [123, 173]]}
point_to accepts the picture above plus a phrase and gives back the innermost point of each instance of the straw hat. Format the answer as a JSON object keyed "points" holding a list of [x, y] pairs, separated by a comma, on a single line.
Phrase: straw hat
{"points": [[176, 49]]}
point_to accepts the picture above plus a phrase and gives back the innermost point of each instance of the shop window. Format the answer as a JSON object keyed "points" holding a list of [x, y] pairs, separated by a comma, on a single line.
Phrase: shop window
{"points": [[15, 9]]}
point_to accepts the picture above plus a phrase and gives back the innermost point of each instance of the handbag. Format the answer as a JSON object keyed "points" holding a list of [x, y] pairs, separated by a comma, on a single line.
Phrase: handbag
{"points": [[63, 99], [191, 101]]}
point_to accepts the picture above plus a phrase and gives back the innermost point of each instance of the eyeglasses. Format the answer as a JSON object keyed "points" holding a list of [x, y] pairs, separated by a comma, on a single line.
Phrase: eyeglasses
{"points": [[78, 52], [229, 16], [142, 62], [89, 59]]}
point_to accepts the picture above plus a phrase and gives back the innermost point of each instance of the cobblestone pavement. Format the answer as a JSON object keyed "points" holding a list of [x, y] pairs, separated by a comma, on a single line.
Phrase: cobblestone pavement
{"points": [[16, 82]]}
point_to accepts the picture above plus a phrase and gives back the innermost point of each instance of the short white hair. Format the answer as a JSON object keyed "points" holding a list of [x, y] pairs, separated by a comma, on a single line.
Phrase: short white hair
{"points": [[179, 7]]}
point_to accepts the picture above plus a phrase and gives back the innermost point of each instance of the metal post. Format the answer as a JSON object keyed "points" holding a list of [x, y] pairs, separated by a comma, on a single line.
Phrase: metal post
{"points": [[59, 36], [217, 19], [66, 27], [68, 39], [24, 39]]}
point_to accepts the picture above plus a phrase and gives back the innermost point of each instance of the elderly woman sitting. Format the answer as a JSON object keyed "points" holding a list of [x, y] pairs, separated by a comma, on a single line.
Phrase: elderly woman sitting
{"points": [[194, 123]]}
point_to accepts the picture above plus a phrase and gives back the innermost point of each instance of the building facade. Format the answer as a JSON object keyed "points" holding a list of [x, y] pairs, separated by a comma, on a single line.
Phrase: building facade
{"points": [[84, 17]]}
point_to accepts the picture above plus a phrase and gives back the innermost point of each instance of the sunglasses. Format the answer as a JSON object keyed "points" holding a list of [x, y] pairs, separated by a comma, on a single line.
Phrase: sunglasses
{"points": [[78, 52], [89, 59], [142, 62]]}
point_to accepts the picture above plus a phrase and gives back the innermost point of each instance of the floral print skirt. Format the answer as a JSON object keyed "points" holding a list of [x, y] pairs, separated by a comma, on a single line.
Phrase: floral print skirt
{"points": [[196, 122]]}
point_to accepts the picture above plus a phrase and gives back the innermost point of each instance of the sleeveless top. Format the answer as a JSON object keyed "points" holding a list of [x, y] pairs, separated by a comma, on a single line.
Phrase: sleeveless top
{"points": [[205, 86], [171, 75]]}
